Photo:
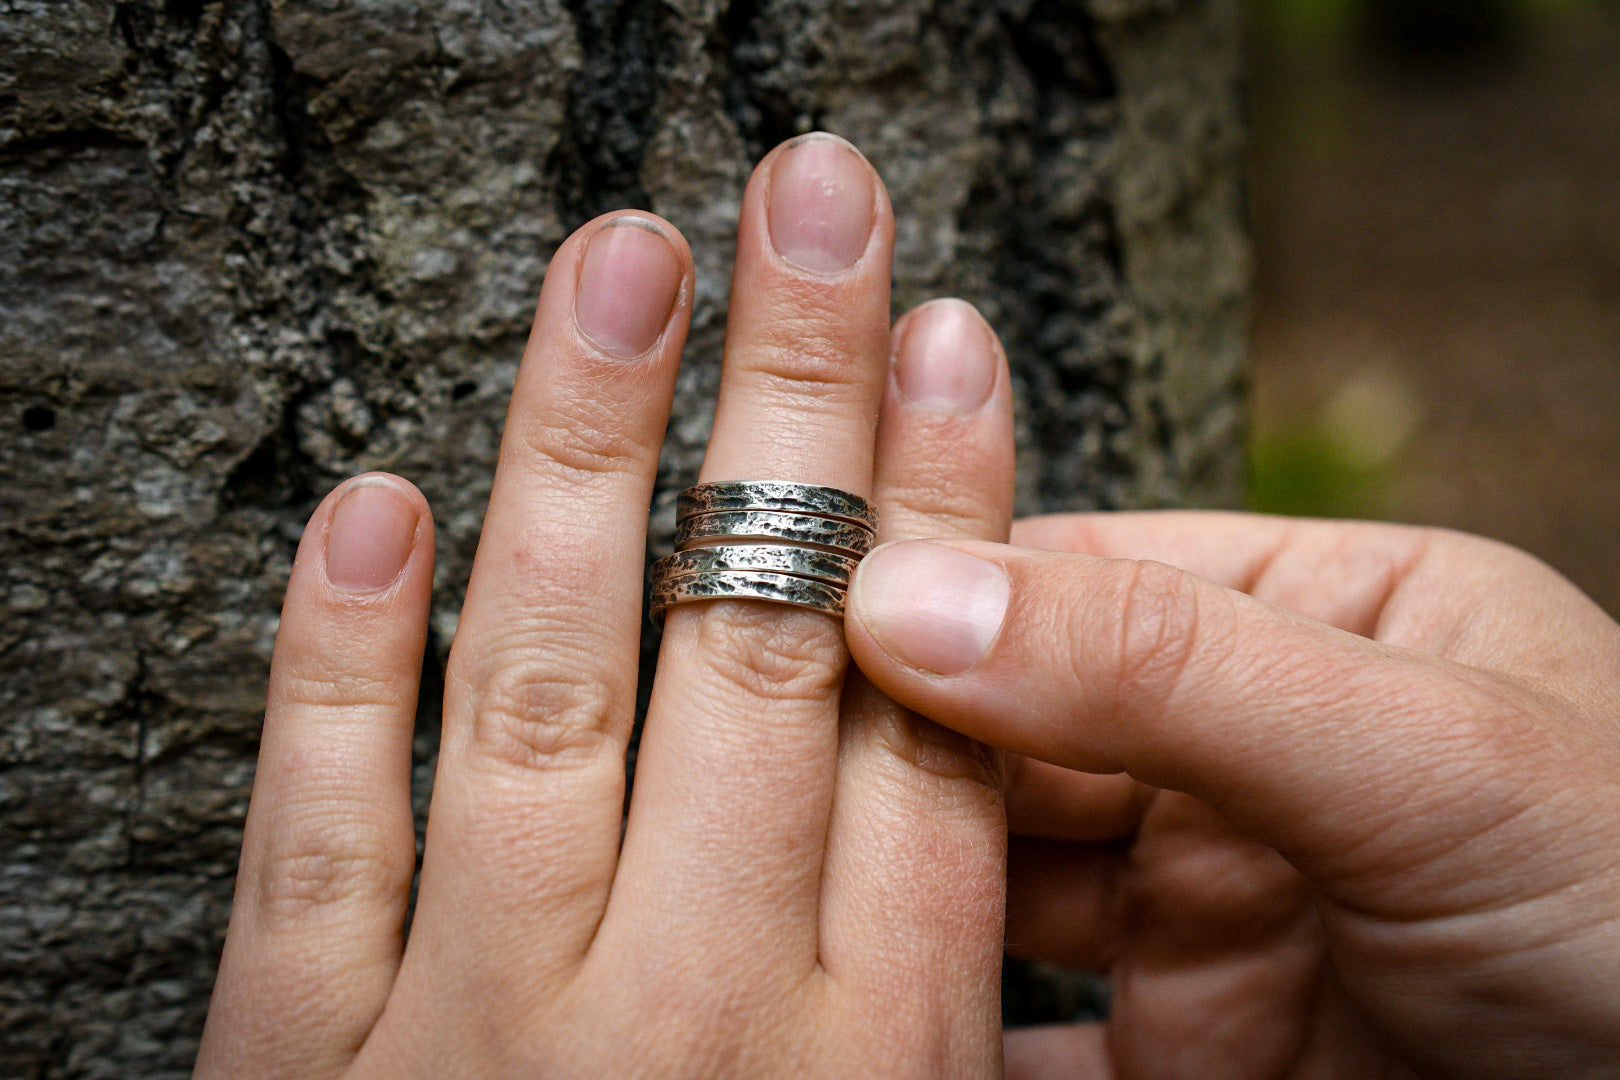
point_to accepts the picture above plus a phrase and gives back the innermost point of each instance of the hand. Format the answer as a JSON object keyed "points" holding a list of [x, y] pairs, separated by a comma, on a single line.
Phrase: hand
{"points": [[810, 882], [1343, 799]]}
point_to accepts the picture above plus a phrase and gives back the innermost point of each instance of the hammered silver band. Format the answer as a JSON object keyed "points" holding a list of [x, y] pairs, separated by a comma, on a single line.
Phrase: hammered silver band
{"points": [[777, 525], [747, 585], [815, 500], [829, 566], [766, 540]]}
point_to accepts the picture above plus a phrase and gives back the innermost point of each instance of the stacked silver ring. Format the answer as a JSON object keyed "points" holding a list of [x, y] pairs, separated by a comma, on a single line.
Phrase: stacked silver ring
{"points": [[764, 540]]}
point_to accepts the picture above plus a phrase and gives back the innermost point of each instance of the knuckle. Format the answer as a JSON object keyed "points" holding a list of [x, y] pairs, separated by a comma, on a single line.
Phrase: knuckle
{"points": [[331, 685], [1242, 888], [1156, 609], [934, 502], [774, 654], [320, 859], [956, 770], [963, 772], [1470, 549], [799, 360], [802, 386], [955, 788], [535, 713], [583, 449]]}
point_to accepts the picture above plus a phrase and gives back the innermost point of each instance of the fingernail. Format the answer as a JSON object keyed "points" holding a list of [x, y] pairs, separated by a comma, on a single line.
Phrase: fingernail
{"points": [[820, 214], [628, 284], [945, 361], [373, 529], [930, 606]]}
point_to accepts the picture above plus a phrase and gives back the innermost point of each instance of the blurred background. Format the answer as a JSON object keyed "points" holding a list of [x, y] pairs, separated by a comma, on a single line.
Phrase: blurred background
{"points": [[1436, 208]]}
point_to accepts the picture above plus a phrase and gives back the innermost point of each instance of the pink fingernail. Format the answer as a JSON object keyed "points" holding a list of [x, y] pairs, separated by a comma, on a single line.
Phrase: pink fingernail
{"points": [[945, 362], [629, 281], [820, 215], [931, 606], [371, 535]]}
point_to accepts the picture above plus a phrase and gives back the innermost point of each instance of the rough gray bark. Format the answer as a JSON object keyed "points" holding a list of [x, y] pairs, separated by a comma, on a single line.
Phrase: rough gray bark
{"points": [[249, 247]]}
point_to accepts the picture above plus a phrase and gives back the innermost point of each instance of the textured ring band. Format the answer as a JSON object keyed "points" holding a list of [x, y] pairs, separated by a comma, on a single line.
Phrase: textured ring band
{"points": [[816, 500], [832, 533], [832, 567], [745, 585]]}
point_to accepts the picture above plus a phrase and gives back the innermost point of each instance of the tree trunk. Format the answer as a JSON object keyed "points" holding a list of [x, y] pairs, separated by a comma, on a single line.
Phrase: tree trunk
{"points": [[250, 247]]}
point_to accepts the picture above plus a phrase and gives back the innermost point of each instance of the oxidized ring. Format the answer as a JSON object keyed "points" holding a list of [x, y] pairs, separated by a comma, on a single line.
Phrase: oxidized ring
{"points": [[747, 585], [816, 500], [829, 566], [764, 540], [774, 525]]}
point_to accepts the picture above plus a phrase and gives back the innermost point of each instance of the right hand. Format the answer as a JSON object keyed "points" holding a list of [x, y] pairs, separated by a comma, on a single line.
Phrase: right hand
{"points": [[1364, 810]]}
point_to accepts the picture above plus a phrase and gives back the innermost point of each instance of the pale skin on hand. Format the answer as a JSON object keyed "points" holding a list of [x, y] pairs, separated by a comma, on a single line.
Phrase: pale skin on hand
{"points": [[1331, 800], [811, 881], [1326, 799]]}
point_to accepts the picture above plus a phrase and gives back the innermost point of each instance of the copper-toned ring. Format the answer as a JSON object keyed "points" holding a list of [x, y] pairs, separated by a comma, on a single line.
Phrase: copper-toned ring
{"points": [[773, 588]]}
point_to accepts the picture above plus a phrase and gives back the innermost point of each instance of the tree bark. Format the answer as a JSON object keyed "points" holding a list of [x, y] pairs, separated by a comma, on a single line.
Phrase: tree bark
{"points": [[250, 247]]}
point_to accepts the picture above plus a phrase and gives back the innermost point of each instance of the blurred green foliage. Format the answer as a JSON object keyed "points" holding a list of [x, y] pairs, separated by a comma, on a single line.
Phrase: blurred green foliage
{"points": [[1348, 457], [1306, 473]]}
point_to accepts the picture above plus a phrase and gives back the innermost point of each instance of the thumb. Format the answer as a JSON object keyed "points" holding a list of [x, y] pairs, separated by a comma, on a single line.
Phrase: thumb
{"points": [[1349, 756]]}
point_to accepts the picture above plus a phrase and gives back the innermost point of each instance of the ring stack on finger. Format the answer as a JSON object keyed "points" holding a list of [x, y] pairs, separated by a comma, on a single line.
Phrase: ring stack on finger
{"points": [[764, 540]]}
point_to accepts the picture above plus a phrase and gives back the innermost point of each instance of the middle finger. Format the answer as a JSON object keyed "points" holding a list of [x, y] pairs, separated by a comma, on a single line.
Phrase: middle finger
{"points": [[734, 777], [540, 693]]}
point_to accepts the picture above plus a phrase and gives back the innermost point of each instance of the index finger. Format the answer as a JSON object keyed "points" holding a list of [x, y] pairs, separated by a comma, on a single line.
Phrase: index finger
{"points": [[1436, 591]]}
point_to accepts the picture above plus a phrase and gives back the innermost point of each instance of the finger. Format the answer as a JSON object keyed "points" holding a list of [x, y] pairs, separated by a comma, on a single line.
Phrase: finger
{"points": [[1049, 802], [1059, 1052], [330, 846], [1340, 752], [1435, 591], [912, 894], [734, 772], [1450, 594], [540, 689], [1284, 561], [1065, 903], [1206, 891]]}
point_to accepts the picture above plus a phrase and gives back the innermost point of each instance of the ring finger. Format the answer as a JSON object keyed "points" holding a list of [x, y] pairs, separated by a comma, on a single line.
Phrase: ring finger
{"points": [[735, 773]]}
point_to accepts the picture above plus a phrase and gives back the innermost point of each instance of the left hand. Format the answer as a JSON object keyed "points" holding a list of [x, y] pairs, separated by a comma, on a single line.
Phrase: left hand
{"points": [[811, 880]]}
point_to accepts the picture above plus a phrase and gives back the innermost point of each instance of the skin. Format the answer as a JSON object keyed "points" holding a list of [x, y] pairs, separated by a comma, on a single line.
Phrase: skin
{"points": [[810, 881], [1325, 799]]}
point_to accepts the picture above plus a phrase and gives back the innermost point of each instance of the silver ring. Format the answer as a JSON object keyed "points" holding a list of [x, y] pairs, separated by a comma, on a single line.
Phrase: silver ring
{"points": [[829, 566], [845, 536], [817, 500], [745, 585]]}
